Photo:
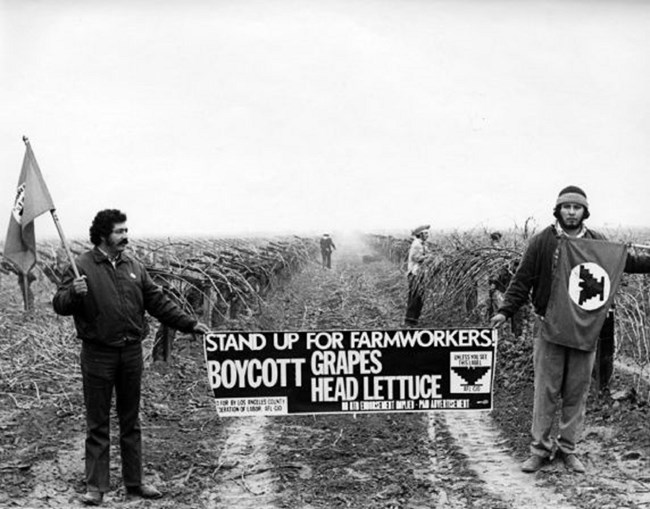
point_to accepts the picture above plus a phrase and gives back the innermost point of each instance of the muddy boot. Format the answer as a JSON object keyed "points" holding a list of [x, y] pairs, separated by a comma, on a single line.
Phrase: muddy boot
{"points": [[92, 498], [533, 464], [572, 462], [143, 491]]}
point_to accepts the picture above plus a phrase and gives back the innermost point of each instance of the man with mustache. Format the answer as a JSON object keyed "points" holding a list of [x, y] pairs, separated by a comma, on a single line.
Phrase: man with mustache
{"points": [[108, 302], [560, 371]]}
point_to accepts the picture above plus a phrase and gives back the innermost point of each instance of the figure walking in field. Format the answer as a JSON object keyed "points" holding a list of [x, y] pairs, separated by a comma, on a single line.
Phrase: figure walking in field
{"points": [[108, 302], [417, 254], [561, 371], [326, 248]]}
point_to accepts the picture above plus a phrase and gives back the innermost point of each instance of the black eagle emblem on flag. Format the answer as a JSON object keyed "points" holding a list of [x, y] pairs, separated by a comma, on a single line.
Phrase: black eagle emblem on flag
{"points": [[590, 286]]}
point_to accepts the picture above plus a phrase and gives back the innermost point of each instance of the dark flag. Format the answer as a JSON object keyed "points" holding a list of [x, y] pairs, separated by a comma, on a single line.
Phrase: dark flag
{"points": [[32, 200], [586, 278]]}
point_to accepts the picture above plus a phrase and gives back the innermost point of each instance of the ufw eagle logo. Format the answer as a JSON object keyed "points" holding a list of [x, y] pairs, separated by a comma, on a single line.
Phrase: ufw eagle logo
{"points": [[589, 286], [470, 374]]}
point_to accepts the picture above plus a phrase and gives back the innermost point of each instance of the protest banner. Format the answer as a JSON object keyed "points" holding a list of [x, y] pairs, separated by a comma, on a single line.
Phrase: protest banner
{"points": [[351, 371]]}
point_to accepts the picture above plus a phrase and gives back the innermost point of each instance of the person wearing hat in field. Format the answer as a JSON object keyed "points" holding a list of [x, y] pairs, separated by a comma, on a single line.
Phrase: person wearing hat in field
{"points": [[560, 371], [326, 248], [417, 254]]}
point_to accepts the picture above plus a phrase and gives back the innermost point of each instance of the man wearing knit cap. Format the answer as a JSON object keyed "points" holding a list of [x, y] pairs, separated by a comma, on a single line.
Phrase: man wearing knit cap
{"points": [[560, 371], [417, 253]]}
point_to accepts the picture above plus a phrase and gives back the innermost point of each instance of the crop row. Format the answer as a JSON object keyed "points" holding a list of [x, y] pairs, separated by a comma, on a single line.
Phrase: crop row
{"points": [[213, 278], [461, 274]]}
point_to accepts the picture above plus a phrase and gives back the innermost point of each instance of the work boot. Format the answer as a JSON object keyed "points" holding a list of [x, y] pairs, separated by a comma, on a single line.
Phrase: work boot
{"points": [[92, 498], [534, 463], [143, 491], [572, 462]]}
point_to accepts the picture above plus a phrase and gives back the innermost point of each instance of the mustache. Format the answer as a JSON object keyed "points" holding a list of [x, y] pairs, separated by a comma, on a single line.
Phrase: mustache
{"points": [[123, 242]]}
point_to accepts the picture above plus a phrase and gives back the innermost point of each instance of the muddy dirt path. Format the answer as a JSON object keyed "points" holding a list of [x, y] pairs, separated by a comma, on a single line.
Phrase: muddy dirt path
{"points": [[248, 480], [409, 461], [453, 460], [478, 438]]}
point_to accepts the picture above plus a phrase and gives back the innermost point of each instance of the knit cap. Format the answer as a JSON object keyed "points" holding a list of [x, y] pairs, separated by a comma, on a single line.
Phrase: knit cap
{"points": [[572, 194]]}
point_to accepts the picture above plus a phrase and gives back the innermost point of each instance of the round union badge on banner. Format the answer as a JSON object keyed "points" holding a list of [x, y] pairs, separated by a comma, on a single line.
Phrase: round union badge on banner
{"points": [[589, 286]]}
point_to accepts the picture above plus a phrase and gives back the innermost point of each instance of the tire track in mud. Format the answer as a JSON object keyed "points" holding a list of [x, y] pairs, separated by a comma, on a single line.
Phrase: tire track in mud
{"points": [[479, 441], [247, 480]]}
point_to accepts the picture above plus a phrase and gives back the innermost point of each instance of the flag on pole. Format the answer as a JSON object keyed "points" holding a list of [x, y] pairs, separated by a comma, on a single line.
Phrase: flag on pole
{"points": [[32, 200], [586, 277]]}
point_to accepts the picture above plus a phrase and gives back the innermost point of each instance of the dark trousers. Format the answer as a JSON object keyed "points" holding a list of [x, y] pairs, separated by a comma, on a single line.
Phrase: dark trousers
{"points": [[104, 368], [327, 258], [604, 367], [415, 301]]}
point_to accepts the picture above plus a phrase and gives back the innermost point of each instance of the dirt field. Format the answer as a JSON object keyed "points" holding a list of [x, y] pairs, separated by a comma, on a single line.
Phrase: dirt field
{"points": [[411, 461]]}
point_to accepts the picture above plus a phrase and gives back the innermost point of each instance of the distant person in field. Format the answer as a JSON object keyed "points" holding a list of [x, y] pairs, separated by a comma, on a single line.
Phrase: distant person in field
{"points": [[418, 252], [108, 303], [560, 371], [497, 281], [326, 248]]}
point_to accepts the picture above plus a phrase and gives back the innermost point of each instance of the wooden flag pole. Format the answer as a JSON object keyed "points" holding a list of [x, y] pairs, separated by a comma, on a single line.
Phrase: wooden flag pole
{"points": [[59, 229], [26, 300], [57, 223]]}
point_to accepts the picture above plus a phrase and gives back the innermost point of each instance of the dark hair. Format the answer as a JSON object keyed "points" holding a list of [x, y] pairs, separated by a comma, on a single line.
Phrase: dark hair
{"points": [[556, 212], [103, 224], [568, 190]]}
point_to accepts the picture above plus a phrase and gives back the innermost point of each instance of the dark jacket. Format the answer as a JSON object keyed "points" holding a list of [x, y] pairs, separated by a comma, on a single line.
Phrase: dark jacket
{"points": [[536, 272], [112, 311], [327, 244]]}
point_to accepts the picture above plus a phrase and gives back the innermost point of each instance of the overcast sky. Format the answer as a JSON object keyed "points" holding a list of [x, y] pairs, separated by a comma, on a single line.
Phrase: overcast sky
{"points": [[232, 117]]}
